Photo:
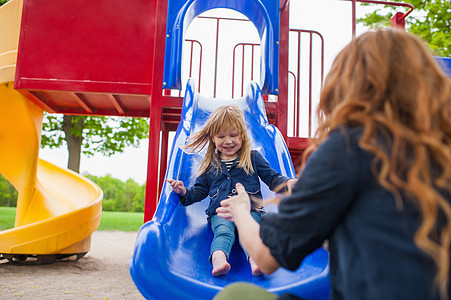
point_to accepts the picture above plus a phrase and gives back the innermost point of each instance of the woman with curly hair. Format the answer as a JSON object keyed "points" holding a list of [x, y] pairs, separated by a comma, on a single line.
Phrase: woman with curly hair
{"points": [[376, 182]]}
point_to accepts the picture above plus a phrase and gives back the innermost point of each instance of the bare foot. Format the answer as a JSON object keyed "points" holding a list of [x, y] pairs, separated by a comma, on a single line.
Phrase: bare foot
{"points": [[255, 269], [220, 264]]}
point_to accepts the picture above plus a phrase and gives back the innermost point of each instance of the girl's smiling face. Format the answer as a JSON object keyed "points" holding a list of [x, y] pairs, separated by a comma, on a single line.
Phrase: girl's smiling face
{"points": [[228, 142]]}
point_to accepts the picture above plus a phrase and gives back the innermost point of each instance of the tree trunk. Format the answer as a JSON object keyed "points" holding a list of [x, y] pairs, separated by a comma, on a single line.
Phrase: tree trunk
{"points": [[73, 142]]}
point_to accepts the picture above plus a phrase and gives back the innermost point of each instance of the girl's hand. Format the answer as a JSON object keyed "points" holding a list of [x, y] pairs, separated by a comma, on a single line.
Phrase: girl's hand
{"points": [[177, 186], [231, 207], [290, 184]]}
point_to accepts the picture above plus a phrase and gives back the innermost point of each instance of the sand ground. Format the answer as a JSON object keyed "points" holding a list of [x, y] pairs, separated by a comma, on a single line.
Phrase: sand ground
{"points": [[102, 273]]}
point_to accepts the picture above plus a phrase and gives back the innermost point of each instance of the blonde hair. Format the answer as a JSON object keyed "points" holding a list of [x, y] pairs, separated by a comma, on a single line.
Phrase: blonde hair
{"points": [[221, 119], [388, 83]]}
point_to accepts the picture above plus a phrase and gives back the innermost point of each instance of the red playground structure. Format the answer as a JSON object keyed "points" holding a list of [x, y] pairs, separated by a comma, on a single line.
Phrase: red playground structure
{"points": [[116, 58], [107, 58]]}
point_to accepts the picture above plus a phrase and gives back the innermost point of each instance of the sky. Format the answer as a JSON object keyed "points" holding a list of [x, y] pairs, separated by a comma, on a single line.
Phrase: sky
{"points": [[332, 18]]}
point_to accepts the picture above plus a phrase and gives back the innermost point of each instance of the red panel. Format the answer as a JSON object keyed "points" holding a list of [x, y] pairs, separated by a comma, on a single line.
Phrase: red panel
{"points": [[84, 45]]}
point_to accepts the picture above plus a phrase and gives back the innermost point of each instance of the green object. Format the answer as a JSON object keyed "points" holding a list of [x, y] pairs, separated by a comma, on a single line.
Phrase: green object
{"points": [[121, 221], [7, 217], [242, 291], [429, 20]]}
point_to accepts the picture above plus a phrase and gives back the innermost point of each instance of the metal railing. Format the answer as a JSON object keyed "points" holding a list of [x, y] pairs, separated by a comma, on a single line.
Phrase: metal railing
{"points": [[298, 81], [243, 47], [302, 80], [191, 46]]}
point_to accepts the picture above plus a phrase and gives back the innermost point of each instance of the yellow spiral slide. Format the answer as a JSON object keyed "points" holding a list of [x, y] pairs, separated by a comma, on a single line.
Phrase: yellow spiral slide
{"points": [[57, 209]]}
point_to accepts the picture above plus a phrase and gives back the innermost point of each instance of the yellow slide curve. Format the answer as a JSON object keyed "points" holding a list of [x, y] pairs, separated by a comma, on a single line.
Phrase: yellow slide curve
{"points": [[57, 209]]}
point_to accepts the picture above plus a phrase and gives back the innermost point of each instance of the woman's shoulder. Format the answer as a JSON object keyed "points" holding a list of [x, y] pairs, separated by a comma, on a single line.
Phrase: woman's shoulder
{"points": [[346, 134], [341, 140]]}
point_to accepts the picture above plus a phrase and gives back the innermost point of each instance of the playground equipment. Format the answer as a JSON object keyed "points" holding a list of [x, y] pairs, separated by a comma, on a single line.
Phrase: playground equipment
{"points": [[175, 245], [108, 58], [264, 14], [57, 210]]}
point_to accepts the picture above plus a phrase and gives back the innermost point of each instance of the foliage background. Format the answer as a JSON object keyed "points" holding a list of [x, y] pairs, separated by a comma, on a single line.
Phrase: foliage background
{"points": [[125, 196], [8, 194], [430, 20], [120, 196]]}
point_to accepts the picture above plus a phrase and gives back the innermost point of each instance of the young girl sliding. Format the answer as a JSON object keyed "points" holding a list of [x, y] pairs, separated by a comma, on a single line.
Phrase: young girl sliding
{"points": [[229, 160]]}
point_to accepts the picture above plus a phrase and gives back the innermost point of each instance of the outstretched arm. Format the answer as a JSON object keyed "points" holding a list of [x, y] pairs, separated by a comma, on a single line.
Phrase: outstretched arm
{"points": [[237, 209], [177, 186], [290, 184]]}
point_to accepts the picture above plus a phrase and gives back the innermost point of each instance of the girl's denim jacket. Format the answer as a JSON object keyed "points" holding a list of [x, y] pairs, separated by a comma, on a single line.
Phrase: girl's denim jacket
{"points": [[218, 186]]}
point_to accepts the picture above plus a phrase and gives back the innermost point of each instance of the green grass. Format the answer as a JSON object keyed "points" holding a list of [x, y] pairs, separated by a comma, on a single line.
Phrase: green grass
{"points": [[7, 217], [110, 220], [121, 221]]}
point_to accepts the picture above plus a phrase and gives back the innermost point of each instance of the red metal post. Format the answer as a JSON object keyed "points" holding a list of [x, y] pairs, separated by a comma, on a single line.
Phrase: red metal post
{"points": [[152, 183], [295, 101], [242, 73], [282, 101], [233, 71], [298, 90], [163, 156], [398, 20], [216, 57], [354, 19], [200, 64], [310, 82], [252, 63]]}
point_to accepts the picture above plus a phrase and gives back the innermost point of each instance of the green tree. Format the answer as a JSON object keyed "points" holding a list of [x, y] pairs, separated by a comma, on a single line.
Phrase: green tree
{"points": [[91, 134], [120, 196], [129, 192], [138, 199], [8, 194], [3, 2], [431, 20], [112, 192]]}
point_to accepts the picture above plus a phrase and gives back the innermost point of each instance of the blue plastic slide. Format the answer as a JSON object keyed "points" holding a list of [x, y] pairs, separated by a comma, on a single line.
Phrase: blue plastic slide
{"points": [[170, 260], [445, 63]]}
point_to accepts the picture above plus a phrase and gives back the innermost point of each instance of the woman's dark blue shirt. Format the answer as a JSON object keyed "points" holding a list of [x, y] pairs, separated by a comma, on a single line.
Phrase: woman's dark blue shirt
{"points": [[372, 252]]}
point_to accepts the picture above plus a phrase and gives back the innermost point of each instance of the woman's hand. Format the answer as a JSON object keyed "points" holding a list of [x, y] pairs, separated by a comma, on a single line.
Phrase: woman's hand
{"points": [[234, 205], [177, 186], [237, 209], [290, 184]]}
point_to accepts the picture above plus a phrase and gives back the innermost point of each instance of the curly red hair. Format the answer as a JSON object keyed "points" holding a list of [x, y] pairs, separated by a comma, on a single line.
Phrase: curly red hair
{"points": [[387, 82]]}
